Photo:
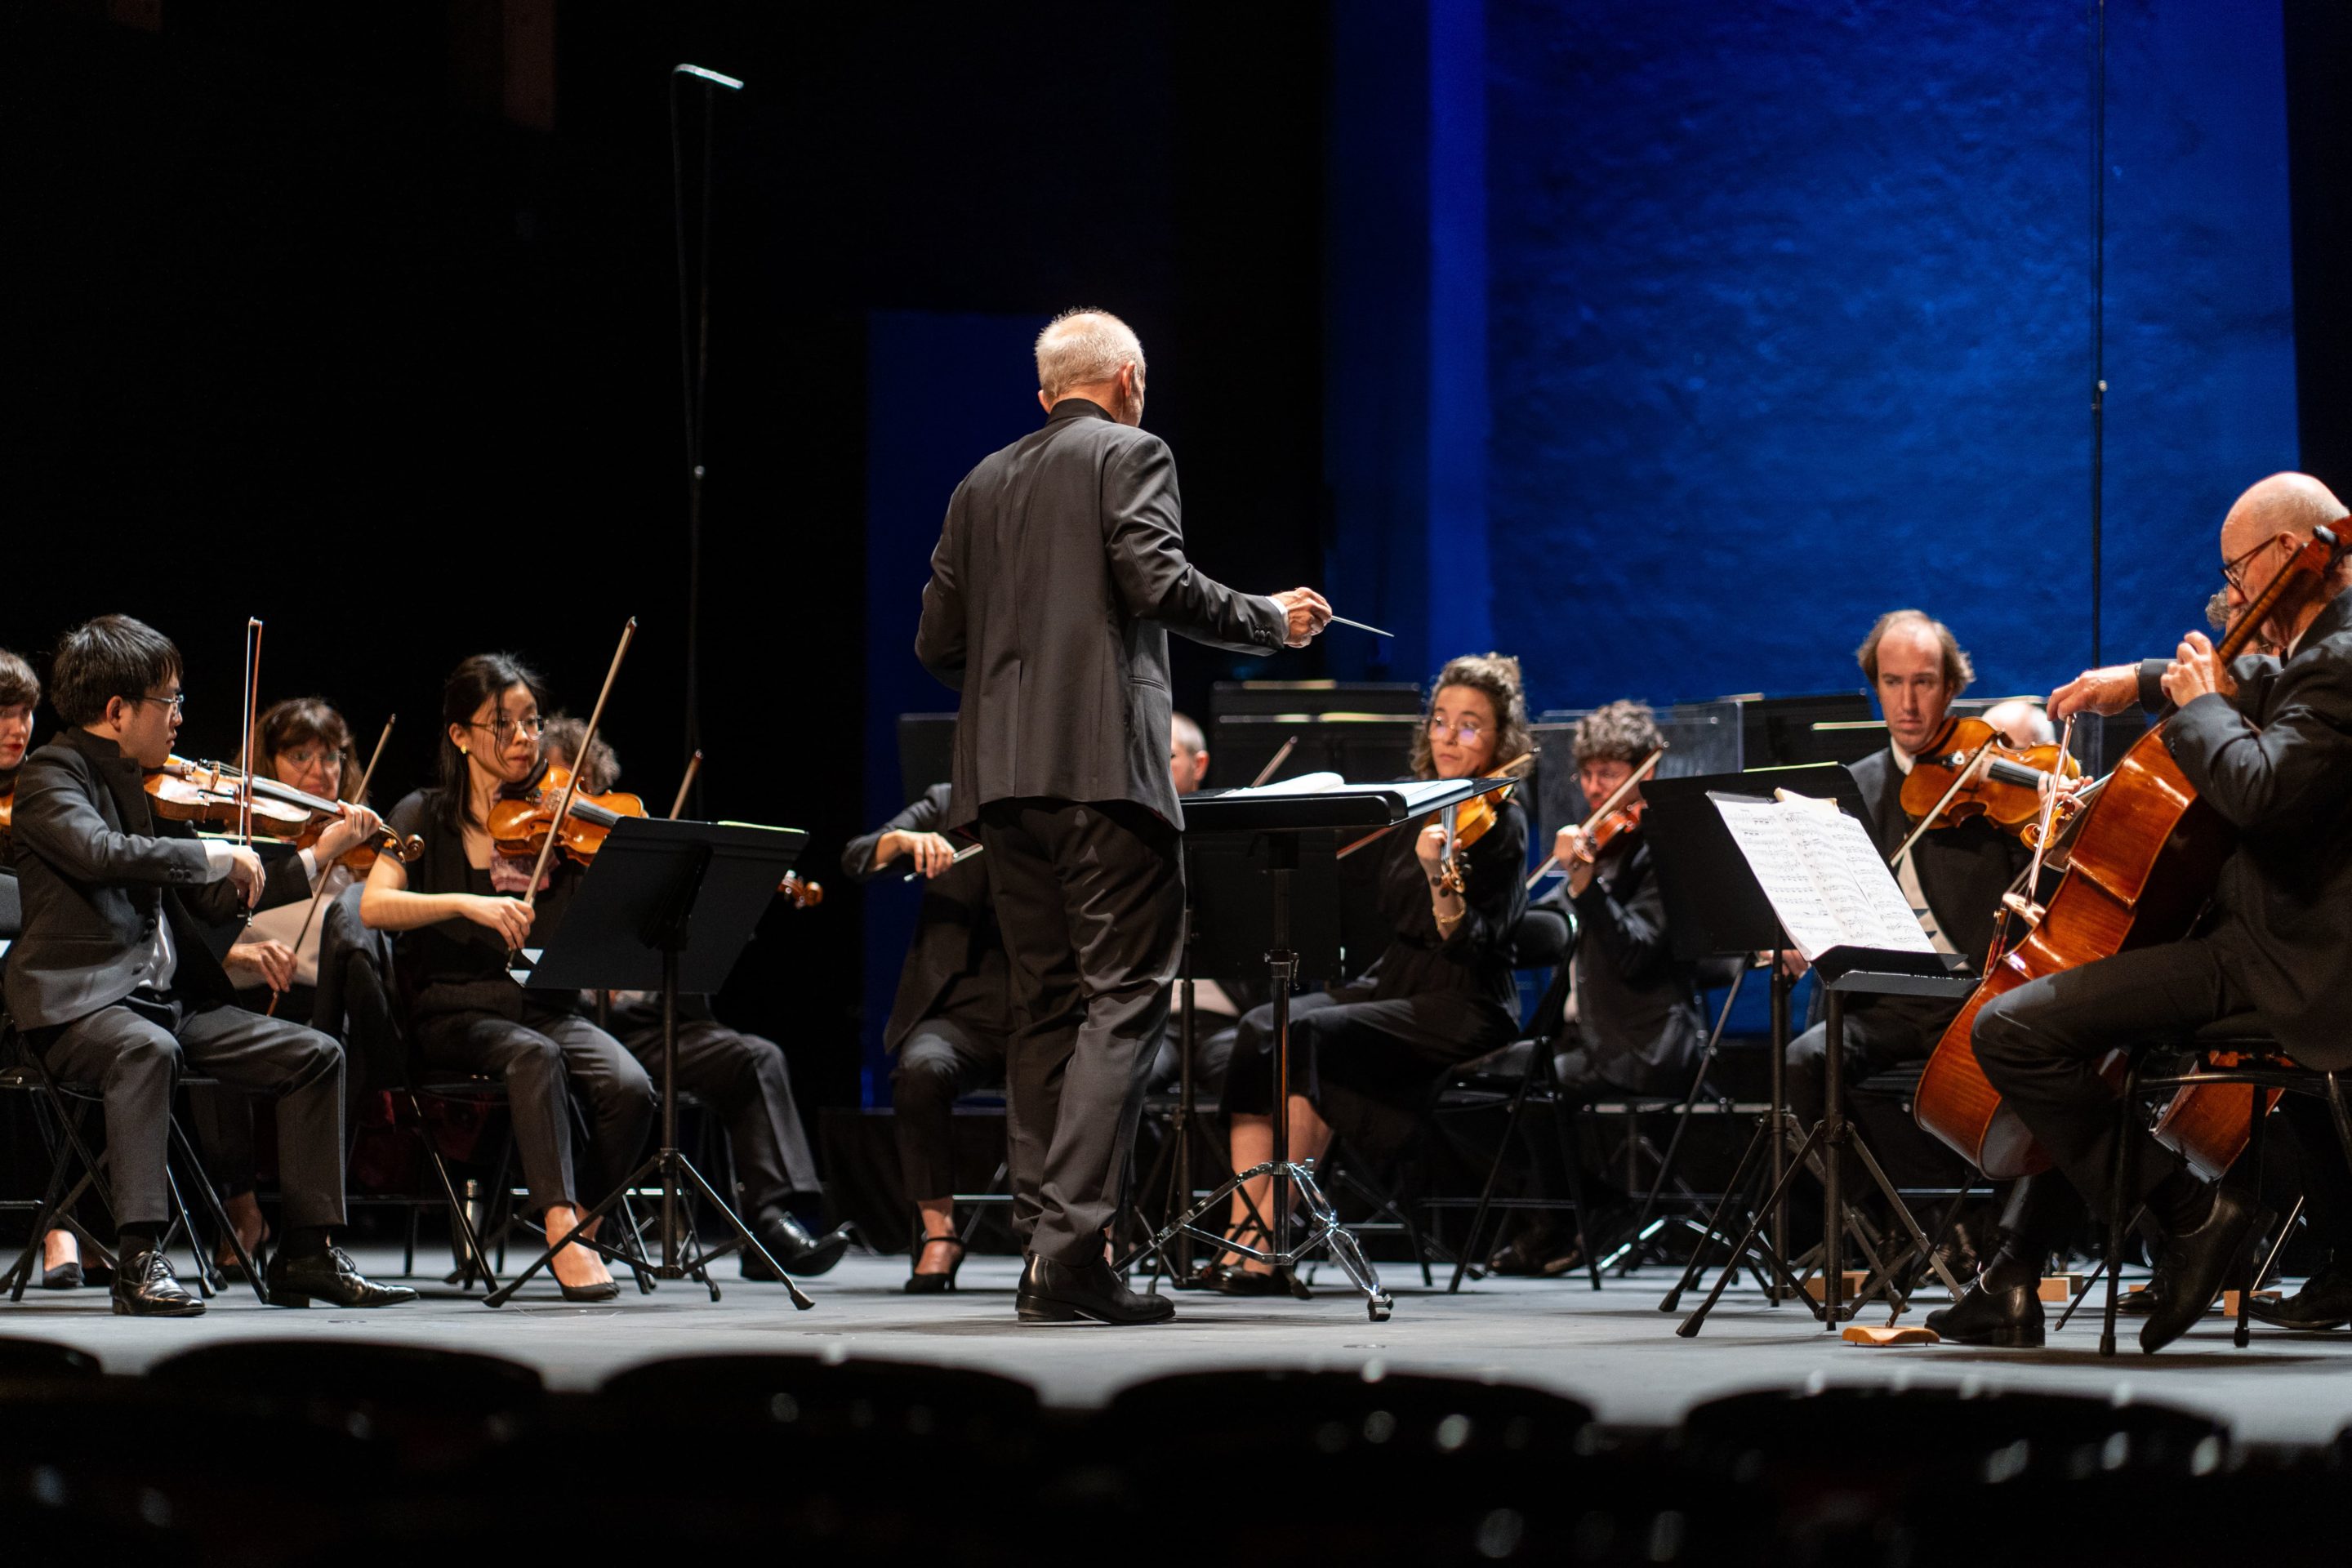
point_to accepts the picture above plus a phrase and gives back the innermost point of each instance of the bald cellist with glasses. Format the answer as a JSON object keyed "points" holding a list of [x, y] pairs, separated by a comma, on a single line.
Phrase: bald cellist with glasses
{"points": [[2266, 742]]}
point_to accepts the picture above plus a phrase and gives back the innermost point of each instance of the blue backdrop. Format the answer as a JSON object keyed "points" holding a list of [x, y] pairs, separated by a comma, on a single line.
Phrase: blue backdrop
{"points": [[1786, 317]]}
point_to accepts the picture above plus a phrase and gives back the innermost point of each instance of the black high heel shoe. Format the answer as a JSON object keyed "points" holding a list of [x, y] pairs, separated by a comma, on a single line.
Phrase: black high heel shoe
{"points": [[934, 1284]]}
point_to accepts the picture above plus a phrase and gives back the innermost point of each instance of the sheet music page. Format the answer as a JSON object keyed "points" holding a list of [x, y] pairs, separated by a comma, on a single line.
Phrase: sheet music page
{"points": [[1824, 876], [1304, 783], [1413, 791]]}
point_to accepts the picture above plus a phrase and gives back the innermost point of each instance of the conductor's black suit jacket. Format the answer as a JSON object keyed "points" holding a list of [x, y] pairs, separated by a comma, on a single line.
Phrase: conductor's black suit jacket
{"points": [[1058, 576]]}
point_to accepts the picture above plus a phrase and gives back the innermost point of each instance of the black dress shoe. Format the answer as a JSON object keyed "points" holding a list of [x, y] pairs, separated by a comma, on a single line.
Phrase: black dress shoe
{"points": [[330, 1276], [794, 1250], [1055, 1292], [1237, 1281], [2324, 1302], [144, 1286], [2010, 1318], [66, 1275], [2192, 1266]]}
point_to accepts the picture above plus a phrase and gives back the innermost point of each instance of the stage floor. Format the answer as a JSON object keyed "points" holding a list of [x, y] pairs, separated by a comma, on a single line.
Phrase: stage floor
{"points": [[1614, 1350]]}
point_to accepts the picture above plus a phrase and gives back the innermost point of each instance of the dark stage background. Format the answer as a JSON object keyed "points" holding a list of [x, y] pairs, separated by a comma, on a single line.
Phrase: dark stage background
{"points": [[1662, 343]]}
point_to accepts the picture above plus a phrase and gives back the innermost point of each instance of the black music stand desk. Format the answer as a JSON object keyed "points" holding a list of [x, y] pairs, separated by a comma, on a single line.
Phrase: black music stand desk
{"points": [[1279, 836], [666, 906]]}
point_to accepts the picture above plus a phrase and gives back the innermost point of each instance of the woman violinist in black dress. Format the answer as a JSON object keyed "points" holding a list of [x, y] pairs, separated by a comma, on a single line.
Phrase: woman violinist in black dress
{"points": [[459, 911], [1363, 1056]]}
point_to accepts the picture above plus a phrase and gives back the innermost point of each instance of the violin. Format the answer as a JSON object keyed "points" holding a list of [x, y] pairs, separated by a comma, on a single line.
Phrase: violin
{"points": [[520, 819], [1468, 821], [799, 893], [206, 794], [1967, 772], [322, 813], [1612, 819], [7, 810]]}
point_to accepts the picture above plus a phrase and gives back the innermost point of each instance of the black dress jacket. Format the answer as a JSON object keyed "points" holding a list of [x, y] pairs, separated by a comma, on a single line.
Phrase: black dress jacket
{"points": [[1637, 1013], [2277, 763], [96, 869], [1963, 870], [955, 934], [1058, 576]]}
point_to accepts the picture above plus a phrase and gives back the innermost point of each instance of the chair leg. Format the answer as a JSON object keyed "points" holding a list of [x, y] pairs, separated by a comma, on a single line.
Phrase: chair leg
{"points": [[1486, 1193], [2243, 1335], [1571, 1153], [2115, 1201], [45, 1219], [215, 1212]]}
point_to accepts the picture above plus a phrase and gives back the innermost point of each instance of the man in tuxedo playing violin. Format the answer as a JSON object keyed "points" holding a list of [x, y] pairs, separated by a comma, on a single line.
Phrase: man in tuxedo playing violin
{"points": [[1059, 573], [2267, 743], [115, 983], [1954, 877]]}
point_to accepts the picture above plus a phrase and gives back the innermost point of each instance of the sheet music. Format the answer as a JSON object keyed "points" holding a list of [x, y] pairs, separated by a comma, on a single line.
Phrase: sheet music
{"points": [[1413, 791], [1304, 783], [1824, 876]]}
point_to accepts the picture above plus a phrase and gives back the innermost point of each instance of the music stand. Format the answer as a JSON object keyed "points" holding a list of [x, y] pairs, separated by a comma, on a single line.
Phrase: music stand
{"points": [[665, 905], [1283, 834], [1716, 909], [1741, 911]]}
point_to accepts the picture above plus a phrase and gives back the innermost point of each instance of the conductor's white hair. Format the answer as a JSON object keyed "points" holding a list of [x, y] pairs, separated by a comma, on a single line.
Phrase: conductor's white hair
{"points": [[1080, 348]]}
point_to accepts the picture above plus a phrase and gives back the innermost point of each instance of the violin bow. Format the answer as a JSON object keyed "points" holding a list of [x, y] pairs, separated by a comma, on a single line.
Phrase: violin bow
{"points": [[245, 753], [1280, 757], [1515, 767], [685, 785], [1649, 765], [579, 757], [1960, 783], [320, 891]]}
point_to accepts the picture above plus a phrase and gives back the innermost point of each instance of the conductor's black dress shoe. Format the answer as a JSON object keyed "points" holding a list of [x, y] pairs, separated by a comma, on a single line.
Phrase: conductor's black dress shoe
{"points": [[329, 1277], [2191, 1268], [144, 1286], [1055, 1292], [2010, 1317]]}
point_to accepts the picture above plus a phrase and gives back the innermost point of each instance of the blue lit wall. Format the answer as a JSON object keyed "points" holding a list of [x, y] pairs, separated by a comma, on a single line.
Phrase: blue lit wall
{"points": [[979, 389], [1787, 315]]}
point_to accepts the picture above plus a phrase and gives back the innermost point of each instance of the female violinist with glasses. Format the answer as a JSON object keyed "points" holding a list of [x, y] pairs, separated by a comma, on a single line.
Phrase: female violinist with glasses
{"points": [[1363, 1055], [459, 911]]}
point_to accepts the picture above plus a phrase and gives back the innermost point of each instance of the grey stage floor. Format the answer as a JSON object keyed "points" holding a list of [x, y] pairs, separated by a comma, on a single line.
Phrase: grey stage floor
{"points": [[1613, 1349]]}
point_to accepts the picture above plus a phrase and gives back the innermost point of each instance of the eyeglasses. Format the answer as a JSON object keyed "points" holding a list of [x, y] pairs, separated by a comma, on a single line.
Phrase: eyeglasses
{"points": [[1466, 734], [2234, 573], [177, 701], [505, 728]]}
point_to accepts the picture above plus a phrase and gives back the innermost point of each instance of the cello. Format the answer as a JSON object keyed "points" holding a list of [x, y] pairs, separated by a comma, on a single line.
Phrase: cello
{"points": [[2144, 859]]}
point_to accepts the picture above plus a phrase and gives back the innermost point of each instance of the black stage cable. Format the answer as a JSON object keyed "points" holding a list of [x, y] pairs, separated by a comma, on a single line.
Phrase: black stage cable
{"points": [[694, 365], [2096, 732]]}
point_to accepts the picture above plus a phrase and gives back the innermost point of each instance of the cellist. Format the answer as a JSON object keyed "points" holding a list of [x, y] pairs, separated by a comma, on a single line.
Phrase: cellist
{"points": [[2267, 742]]}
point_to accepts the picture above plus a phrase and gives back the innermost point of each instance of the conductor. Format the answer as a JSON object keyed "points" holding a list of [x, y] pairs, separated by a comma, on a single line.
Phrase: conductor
{"points": [[1059, 573]]}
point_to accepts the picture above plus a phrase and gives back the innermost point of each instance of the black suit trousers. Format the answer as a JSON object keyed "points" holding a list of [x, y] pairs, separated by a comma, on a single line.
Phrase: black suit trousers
{"points": [[1090, 897], [2040, 1045], [133, 1054]]}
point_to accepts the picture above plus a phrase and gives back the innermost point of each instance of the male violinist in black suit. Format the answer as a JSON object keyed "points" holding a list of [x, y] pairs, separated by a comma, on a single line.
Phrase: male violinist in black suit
{"points": [[114, 984], [1058, 576], [1954, 877], [2267, 743]]}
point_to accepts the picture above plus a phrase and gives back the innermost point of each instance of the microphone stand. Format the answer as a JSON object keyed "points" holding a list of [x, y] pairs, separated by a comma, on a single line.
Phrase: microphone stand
{"points": [[694, 363]]}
